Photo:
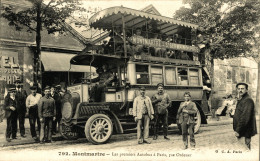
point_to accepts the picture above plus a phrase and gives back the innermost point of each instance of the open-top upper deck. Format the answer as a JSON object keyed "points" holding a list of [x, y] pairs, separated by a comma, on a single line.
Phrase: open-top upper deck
{"points": [[160, 39]]}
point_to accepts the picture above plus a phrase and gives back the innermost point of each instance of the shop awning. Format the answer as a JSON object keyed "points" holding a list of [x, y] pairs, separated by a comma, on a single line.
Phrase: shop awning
{"points": [[60, 62]]}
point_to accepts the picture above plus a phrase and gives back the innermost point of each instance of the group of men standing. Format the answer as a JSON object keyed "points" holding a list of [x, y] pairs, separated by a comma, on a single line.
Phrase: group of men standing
{"points": [[146, 109], [44, 110]]}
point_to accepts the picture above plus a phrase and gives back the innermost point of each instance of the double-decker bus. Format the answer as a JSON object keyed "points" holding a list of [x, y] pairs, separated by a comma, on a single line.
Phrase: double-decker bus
{"points": [[139, 49]]}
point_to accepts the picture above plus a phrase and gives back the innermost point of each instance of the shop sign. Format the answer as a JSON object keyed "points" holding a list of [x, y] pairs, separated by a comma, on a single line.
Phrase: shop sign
{"points": [[9, 66]]}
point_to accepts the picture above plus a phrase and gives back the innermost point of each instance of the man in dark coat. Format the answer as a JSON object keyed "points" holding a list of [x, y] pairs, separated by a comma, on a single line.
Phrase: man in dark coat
{"points": [[244, 122], [47, 113], [10, 106], [21, 96], [57, 98]]}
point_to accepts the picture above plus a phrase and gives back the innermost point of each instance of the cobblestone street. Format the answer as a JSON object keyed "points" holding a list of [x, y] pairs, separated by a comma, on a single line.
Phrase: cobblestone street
{"points": [[212, 143]]}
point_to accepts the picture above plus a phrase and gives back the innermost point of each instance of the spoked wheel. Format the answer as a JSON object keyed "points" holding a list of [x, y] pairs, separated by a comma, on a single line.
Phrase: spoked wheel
{"points": [[98, 129], [197, 122]]}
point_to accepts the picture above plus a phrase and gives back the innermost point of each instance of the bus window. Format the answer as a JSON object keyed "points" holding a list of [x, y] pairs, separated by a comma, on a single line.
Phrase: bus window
{"points": [[156, 73], [194, 76], [170, 76], [182, 76], [142, 74]]}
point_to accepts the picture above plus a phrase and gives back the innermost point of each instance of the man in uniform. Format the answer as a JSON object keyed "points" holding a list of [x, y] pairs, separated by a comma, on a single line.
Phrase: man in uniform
{"points": [[47, 113], [21, 96], [244, 122], [161, 101], [143, 112], [10, 106]]}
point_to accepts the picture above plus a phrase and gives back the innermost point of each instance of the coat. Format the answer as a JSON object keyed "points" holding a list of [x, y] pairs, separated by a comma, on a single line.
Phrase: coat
{"points": [[244, 121], [21, 99], [137, 107], [7, 104], [187, 117], [46, 107]]}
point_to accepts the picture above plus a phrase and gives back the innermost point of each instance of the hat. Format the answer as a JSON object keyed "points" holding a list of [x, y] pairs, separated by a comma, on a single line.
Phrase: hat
{"points": [[187, 93], [11, 89], [17, 81], [142, 88], [242, 83], [160, 84], [58, 86], [47, 88], [33, 88]]}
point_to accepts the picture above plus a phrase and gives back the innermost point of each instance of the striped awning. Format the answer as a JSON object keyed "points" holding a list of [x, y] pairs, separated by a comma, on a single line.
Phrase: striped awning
{"points": [[134, 19]]}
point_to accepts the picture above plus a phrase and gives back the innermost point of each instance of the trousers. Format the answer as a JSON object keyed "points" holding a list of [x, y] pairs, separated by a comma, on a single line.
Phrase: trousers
{"points": [[143, 128], [188, 129], [11, 127], [33, 118], [21, 118], [164, 119], [46, 129]]}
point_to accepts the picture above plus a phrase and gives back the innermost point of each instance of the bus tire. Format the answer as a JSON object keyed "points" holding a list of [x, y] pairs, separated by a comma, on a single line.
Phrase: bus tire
{"points": [[98, 129]]}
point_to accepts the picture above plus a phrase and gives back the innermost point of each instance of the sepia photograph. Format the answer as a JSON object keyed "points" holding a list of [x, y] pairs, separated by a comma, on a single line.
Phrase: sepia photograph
{"points": [[164, 80]]}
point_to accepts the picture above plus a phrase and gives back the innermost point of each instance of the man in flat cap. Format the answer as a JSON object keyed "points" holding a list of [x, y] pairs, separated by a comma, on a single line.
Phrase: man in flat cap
{"points": [[143, 113], [21, 96], [32, 105], [244, 122], [161, 101], [10, 106], [47, 113]]}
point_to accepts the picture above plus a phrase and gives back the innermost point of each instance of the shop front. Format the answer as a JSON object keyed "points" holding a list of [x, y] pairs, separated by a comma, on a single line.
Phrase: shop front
{"points": [[58, 70]]}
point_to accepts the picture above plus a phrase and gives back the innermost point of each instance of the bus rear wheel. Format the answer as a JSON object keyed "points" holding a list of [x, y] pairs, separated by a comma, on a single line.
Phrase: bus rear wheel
{"points": [[98, 129]]}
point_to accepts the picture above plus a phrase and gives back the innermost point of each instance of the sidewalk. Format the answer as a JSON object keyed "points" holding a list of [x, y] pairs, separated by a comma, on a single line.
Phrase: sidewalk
{"points": [[28, 140]]}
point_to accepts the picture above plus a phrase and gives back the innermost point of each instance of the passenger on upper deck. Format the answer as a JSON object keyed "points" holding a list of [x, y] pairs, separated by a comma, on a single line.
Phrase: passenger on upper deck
{"points": [[136, 49], [115, 43]]}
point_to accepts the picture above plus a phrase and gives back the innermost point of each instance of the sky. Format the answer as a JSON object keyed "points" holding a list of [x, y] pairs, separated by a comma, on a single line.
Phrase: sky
{"points": [[166, 8]]}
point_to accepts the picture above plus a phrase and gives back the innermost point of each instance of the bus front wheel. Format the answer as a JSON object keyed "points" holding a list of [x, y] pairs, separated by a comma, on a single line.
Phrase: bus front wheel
{"points": [[98, 129]]}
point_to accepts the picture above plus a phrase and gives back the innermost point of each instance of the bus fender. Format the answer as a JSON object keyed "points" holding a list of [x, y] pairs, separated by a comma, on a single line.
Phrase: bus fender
{"points": [[118, 126]]}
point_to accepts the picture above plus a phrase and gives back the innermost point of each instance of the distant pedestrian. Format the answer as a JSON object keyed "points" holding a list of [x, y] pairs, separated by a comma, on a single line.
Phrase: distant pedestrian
{"points": [[32, 106], [161, 101], [10, 106], [185, 117], [143, 113], [47, 113], [244, 122], [21, 96], [226, 104]]}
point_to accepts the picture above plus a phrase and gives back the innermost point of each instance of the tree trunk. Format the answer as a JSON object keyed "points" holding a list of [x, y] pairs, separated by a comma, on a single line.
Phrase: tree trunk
{"points": [[38, 46], [258, 90], [212, 85]]}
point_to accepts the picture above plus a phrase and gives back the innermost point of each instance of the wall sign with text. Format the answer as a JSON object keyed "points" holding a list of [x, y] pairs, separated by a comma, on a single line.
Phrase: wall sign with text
{"points": [[9, 66]]}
